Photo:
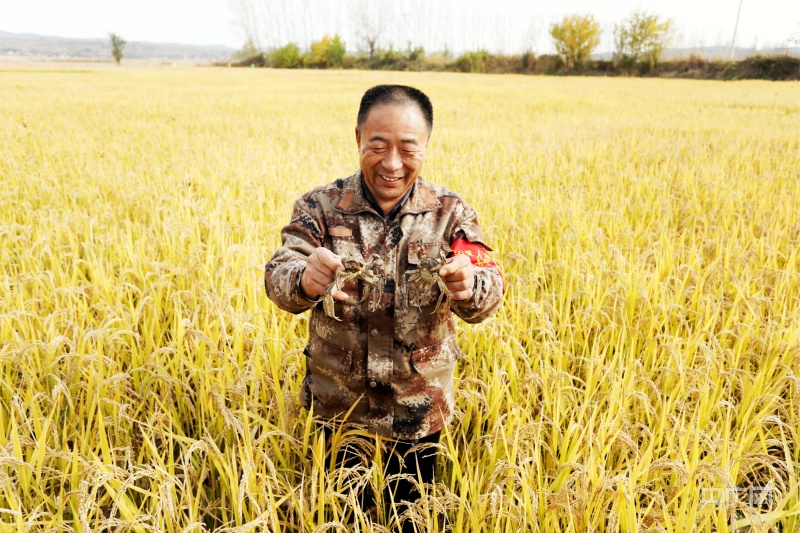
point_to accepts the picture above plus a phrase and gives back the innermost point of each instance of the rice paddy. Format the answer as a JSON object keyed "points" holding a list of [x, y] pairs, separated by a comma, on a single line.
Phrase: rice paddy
{"points": [[643, 373]]}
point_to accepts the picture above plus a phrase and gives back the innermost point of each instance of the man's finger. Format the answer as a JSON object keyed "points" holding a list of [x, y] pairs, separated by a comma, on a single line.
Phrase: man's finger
{"points": [[461, 295], [340, 295], [458, 275], [446, 268], [319, 277], [328, 258], [313, 288], [321, 261], [322, 270], [455, 264], [460, 285]]}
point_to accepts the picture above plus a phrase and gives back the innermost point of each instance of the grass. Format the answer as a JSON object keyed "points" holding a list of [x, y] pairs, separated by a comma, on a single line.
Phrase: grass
{"points": [[646, 353]]}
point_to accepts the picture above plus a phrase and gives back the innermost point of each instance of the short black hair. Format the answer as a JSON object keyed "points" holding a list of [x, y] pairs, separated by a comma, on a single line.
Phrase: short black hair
{"points": [[395, 94]]}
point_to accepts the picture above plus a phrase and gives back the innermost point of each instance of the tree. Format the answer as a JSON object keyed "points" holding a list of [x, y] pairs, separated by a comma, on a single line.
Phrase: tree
{"points": [[249, 16], [117, 46], [368, 17], [327, 52], [249, 49], [641, 38], [575, 37], [288, 56]]}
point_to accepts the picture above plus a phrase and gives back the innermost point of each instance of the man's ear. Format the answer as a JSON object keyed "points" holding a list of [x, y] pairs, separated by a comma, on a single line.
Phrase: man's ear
{"points": [[358, 137]]}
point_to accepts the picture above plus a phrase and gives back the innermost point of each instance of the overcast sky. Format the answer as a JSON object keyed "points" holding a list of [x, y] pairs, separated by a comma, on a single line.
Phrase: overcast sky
{"points": [[497, 25]]}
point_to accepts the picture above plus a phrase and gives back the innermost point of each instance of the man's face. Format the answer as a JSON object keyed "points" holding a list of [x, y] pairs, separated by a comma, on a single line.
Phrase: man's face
{"points": [[392, 142]]}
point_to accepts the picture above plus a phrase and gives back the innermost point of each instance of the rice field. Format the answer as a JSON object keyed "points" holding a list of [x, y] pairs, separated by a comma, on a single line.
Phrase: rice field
{"points": [[643, 373]]}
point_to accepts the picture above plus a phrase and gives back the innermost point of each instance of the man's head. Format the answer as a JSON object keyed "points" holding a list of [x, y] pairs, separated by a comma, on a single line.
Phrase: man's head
{"points": [[395, 94], [392, 132]]}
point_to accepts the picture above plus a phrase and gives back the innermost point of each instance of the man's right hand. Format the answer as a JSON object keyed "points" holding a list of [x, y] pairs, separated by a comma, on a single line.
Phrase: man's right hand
{"points": [[320, 272]]}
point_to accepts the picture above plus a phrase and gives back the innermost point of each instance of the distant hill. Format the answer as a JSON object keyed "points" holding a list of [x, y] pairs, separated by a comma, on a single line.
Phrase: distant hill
{"points": [[29, 44], [716, 52]]}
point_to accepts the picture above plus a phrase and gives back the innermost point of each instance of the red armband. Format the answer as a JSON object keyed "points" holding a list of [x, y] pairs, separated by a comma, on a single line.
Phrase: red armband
{"points": [[477, 254]]}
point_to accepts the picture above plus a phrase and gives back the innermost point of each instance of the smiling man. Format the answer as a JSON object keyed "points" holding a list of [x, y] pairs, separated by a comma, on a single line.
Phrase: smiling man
{"points": [[389, 362]]}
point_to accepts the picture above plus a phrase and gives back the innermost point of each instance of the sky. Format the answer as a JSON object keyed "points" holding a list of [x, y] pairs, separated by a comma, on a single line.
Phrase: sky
{"points": [[500, 25]]}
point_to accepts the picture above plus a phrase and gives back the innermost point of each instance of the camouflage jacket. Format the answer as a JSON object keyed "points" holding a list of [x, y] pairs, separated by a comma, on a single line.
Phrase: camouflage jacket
{"points": [[393, 366]]}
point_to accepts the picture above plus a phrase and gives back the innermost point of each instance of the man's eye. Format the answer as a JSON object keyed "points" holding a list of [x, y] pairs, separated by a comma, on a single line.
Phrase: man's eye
{"points": [[379, 149]]}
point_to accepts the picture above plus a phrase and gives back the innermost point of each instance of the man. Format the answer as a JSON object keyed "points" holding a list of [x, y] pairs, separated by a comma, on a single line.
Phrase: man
{"points": [[390, 365]]}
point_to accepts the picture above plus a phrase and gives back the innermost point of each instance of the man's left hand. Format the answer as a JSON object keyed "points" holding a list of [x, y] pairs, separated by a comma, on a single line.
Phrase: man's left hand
{"points": [[459, 276]]}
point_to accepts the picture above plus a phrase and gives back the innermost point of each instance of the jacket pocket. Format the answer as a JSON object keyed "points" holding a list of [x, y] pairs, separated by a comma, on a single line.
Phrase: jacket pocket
{"points": [[327, 359], [436, 356], [346, 248], [330, 384]]}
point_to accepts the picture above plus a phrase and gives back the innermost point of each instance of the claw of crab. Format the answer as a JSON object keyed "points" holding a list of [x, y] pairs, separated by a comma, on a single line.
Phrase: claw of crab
{"points": [[443, 287]]}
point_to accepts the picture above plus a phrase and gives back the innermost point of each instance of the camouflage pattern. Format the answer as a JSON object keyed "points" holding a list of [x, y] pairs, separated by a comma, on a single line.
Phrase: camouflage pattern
{"points": [[393, 366]]}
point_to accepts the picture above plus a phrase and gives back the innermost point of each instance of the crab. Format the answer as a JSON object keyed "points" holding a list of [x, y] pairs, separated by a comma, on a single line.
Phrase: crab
{"points": [[371, 273], [427, 275]]}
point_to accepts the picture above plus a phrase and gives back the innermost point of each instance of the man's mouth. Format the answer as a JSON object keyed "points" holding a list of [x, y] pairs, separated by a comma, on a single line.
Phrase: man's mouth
{"points": [[390, 179]]}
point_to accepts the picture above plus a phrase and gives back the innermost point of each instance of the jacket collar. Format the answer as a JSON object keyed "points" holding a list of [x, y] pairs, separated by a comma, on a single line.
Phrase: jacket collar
{"points": [[423, 198]]}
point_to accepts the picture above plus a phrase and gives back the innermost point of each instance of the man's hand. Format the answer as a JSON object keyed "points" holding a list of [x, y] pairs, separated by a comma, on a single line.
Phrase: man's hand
{"points": [[459, 276], [320, 272]]}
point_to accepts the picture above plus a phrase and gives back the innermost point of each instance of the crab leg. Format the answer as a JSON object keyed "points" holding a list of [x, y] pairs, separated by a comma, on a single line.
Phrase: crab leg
{"points": [[444, 295]]}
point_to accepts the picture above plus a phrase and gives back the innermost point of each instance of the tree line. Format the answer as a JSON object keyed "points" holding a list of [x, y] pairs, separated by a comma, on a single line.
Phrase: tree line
{"points": [[641, 38], [639, 43]]}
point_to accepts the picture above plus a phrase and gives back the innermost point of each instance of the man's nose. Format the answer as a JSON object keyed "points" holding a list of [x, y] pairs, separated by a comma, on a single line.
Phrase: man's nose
{"points": [[391, 160]]}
